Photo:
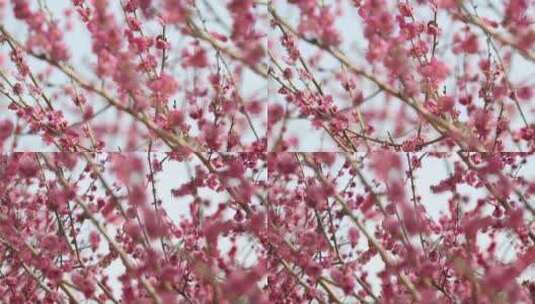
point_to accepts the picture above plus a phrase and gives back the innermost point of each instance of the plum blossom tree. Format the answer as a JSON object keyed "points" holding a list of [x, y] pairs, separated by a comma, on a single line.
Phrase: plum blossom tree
{"points": [[280, 151], [165, 74], [82, 226], [436, 75]]}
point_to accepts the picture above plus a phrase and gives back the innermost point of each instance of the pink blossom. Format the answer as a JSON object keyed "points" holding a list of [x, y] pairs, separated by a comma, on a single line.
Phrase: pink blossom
{"points": [[164, 86], [27, 165], [6, 129], [94, 240], [525, 93], [435, 72], [197, 59]]}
